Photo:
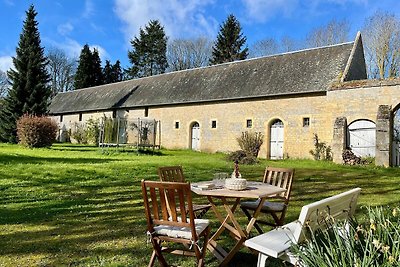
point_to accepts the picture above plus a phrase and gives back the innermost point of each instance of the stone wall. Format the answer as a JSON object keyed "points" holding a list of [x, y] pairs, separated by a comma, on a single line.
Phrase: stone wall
{"points": [[322, 109]]}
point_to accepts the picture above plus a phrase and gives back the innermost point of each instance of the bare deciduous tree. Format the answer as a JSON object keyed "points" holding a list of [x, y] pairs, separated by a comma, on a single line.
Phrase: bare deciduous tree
{"points": [[4, 84], [288, 44], [334, 32], [381, 36], [188, 53], [264, 47], [62, 71]]}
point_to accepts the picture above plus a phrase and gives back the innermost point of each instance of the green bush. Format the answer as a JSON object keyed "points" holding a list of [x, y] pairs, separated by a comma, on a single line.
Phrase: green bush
{"points": [[34, 131], [375, 242], [79, 133], [92, 131]]}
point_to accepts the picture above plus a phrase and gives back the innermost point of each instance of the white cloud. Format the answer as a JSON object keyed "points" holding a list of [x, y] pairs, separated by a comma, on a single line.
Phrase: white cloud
{"points": [[65, 29], [89, 9], [263, 10], [102, 52], [6, 63], [73, 48], [180, 18]]}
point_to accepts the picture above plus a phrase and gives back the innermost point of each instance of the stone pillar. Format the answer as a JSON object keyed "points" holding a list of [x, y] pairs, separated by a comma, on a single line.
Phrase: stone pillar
{"points": [[383, 136], [339, 139]]}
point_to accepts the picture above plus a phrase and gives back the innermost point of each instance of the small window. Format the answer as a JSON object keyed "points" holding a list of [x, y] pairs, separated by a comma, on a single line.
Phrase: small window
{"points": [[177, 125], [114, 115], [306, 122], [80, 116], [146, 112], [213, 124], [61, 118], [249, 123]]}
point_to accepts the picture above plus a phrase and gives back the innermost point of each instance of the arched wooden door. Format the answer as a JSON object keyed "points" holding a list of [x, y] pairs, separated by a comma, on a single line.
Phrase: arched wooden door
{"points": [[276, 140], [362, 138], [195, 135]]}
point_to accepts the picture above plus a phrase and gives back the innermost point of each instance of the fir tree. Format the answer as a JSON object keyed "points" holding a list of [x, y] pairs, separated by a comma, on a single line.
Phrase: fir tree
{"points": [[230, 39], [97, 70], [108, 73], [30, 91], [117, 71], [148, 56], [112, 73], [89, 72]]}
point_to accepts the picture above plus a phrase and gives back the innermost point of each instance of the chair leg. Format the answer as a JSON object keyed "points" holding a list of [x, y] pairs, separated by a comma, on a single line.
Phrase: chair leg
{"points": [[201, 261], [261, 260], [258, 228], [152, 259], [157, 253]]}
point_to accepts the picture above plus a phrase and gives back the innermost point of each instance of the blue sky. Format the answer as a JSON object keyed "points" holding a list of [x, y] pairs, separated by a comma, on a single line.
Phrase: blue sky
{"points": [[109, 25]]}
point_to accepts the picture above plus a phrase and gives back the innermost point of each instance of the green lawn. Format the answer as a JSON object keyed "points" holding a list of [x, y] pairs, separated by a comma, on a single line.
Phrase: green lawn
{"points": [[76, 206]]}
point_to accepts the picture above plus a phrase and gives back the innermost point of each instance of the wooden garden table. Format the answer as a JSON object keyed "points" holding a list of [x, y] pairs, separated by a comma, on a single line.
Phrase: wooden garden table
{"points": [[229, 223]]}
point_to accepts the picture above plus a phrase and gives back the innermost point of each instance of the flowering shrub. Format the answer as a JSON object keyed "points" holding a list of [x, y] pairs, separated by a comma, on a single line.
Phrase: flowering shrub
{"points": [[34, 131], [375, 242]]}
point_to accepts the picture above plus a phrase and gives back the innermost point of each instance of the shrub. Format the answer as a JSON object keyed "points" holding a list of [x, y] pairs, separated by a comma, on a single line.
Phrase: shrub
{"points": [[34, 131], [322, 151], [251, 142], [79, 133], [92, 131], [375, 242]]}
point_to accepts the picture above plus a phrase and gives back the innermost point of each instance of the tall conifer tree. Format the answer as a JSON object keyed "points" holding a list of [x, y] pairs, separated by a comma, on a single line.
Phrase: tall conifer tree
{"points": [[148, 56], [98, 78], [117, 71], [30, 91], [108, 73], [230, 39], [89, 72], [112, 73]]}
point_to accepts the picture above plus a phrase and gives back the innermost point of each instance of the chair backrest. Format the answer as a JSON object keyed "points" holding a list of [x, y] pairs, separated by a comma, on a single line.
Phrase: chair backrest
{"points": [[320, 214], [171, 174], [282, 177], [177, 196]]}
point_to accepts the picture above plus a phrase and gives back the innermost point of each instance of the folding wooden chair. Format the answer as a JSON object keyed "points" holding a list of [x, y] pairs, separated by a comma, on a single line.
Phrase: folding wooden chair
{"points": [[177, 225], [175, 174], [277, 209]]}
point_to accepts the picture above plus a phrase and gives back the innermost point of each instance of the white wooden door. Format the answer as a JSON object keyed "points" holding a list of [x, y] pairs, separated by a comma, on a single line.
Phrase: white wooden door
{"points": [[362, 138], [276, 141], [195, 144]]}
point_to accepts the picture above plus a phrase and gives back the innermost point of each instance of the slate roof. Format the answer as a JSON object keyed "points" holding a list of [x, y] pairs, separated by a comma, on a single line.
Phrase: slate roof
{"points": [[306, 71]]}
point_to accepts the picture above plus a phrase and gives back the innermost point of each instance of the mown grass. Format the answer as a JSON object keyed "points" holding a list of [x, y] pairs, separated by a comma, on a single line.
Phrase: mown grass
{"points": [[76, 206]]}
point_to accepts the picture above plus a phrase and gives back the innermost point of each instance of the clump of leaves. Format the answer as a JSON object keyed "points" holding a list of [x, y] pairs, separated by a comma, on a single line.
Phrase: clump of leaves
{"points": [[36, 131], [374, 242], [321, 150]]}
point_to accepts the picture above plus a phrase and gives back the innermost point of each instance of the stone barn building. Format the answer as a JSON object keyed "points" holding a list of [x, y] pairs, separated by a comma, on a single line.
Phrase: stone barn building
{"points": [[288, 97]]}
